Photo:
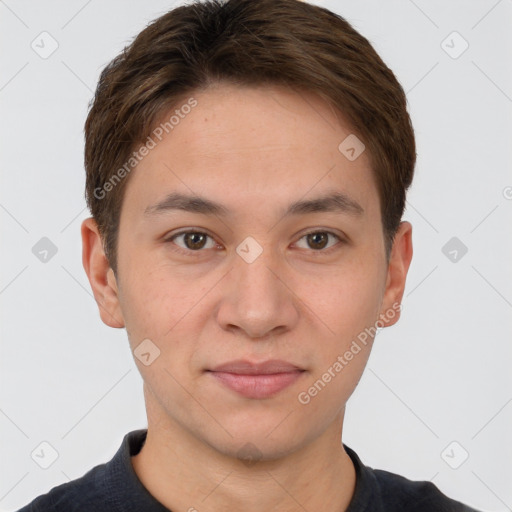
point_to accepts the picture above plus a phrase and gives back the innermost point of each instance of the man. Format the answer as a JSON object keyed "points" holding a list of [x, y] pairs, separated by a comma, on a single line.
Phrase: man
{"points": [[247, 165]]}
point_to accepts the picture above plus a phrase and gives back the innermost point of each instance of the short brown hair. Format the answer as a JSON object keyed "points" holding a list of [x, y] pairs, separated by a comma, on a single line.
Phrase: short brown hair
{"points": [[245, 42]]}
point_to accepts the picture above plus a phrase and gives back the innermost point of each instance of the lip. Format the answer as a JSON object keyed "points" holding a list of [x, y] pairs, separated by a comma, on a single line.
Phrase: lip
{"points": [[257, 380]]}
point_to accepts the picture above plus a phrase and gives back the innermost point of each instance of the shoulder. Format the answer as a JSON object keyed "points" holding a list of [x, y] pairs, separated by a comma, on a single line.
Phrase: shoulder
{"points": [[85, 493], [101, 489], [400, 493], [378, 490]]}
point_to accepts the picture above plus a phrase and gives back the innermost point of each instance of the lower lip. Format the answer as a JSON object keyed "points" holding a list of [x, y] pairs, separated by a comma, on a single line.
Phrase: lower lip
{"points": [[257, 386]]}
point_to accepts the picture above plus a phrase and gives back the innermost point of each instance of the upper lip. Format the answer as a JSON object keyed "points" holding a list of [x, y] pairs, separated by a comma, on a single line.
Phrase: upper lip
{"points": [[243, 367]]}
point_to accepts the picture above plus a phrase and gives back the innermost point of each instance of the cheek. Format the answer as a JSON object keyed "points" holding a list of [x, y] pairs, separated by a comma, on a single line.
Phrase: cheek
{"points": [[151, 305], [167, 309], [346, 300], [334, 382], [350, 312], [156, 311]]}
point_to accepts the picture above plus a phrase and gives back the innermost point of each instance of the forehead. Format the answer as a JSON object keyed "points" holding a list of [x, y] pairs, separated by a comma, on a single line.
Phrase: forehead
{"points": [[252, 144], [232, 120]]}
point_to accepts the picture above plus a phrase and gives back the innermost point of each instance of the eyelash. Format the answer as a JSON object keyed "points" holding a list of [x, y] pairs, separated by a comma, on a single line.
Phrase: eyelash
{"points": [[190, 252]]}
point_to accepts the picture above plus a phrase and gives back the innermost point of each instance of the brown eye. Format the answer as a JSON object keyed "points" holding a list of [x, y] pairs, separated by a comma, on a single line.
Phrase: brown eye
{"points": [[193, 240], [319, 240]]}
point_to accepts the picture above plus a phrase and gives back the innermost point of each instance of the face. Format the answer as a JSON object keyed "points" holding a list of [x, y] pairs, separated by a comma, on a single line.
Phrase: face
{"points": [[250, 300]]}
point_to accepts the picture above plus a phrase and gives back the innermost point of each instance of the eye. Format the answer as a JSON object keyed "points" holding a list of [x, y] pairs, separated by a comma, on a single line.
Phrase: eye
{"points": [[193, 240], [319, 240]]}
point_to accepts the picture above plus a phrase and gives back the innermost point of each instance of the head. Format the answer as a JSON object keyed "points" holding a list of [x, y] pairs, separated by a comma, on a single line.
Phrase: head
{"points": [[273, 134]]}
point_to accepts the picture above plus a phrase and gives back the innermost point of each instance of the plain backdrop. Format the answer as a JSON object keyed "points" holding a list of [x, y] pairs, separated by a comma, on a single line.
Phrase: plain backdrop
{"points": [[437, 391]]}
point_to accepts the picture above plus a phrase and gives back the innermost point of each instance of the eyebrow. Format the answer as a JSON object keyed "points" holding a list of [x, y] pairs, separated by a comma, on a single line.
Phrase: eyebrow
{"points": [[335, 202]]}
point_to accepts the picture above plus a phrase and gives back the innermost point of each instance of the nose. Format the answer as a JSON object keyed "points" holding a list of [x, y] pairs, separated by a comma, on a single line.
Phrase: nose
{"points": [[258, 298]]}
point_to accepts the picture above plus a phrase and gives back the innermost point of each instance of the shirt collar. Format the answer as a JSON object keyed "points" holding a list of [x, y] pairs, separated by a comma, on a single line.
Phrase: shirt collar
{"points": [[126, 493]]}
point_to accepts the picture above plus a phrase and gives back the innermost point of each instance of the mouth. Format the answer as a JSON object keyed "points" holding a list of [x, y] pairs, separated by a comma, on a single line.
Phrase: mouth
{"points": [[257, 380]]}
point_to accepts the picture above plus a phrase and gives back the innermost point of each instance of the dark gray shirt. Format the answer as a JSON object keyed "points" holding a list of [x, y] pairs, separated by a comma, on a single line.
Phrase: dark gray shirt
{"points": [[115, 487]]}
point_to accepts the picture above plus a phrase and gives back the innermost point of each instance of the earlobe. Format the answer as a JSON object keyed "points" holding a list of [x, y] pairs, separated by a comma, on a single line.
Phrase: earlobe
{"points": [[100, 274], [399, 262]]}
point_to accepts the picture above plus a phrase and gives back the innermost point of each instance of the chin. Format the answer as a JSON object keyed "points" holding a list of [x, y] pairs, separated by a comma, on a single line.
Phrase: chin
{"points": [[250, 450], [256, 441]]}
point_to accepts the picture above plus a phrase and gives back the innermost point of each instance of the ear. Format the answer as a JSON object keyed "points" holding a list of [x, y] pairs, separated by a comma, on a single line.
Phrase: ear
{"points": [[100, 274], [399, 261]]}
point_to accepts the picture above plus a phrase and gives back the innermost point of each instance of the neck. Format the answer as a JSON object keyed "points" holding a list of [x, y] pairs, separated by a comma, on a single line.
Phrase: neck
{"points": [[185, 474]]}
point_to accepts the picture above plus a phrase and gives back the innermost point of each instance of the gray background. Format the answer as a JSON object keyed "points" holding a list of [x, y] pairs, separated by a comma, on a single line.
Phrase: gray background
{"points": [[441, 375]]}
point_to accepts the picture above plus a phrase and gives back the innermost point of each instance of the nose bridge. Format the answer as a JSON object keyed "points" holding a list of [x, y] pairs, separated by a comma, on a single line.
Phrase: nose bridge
{"points": [[253, 275], [258, 301]]}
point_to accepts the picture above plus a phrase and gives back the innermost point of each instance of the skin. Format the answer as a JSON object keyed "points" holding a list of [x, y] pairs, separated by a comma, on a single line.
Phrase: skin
{"points": [[255, 150]]}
